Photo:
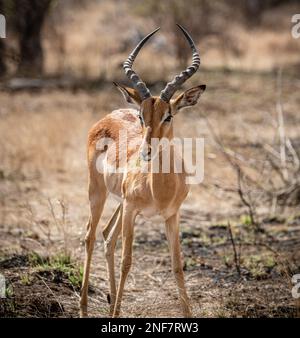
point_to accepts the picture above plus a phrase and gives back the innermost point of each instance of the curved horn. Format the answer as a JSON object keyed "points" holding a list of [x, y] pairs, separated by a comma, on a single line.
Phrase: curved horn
{"points": [[138, 84], [171, 87]]}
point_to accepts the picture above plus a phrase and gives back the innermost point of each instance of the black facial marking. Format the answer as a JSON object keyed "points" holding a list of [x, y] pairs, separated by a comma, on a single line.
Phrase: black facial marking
{"points": [[168, 118], [141, 119]]}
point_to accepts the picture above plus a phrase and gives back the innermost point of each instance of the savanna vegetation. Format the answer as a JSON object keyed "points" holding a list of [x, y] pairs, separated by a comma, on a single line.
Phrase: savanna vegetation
{"points": [[240, 226]]}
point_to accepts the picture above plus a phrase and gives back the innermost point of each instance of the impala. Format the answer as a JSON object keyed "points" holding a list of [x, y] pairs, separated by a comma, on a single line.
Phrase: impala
{"points": [[139, 192]]}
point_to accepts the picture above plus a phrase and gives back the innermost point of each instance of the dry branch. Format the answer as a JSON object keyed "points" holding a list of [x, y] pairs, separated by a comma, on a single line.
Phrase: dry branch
{"points": [[235, 254]]}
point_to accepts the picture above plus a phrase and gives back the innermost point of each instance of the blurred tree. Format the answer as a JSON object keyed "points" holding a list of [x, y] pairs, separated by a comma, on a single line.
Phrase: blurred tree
{"points": [[203, 18], [197, 16], [199, 25], [254, 9], [29, 17], [170, 12]]}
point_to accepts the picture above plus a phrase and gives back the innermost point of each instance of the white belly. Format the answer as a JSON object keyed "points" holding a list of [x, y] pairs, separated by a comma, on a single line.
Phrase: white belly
{"points": [[151, 213]]}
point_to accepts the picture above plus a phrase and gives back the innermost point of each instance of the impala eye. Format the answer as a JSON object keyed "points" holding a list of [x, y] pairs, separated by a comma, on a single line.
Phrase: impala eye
{"points": [[168, 119], [141, 119]]}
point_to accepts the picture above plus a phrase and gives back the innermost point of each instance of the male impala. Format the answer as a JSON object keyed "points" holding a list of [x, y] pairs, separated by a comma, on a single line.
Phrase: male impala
{"points": [[140, 192]]}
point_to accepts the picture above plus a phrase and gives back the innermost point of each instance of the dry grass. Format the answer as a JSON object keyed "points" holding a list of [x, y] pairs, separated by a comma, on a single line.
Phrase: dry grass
{"points": [[43, 174], [44, 203]]}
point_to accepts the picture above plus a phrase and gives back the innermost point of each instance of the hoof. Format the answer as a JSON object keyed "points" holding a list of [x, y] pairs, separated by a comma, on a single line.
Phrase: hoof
{"points": [[83, 314]]}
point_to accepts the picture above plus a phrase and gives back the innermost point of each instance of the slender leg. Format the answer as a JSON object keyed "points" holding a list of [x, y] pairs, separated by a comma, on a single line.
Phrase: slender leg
{"points": [[127, 239], [111, 233], [97, 200], [107, 229], [172, 231]]}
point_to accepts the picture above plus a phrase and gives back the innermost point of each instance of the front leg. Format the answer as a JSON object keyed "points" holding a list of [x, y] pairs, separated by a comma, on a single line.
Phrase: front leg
{"points": [[128, 219], [172, 232]]}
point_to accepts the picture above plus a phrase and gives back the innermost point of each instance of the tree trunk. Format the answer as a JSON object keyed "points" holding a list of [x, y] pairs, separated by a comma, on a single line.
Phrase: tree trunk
{"points": [[30, 16], [2, 62], [253, 11]]}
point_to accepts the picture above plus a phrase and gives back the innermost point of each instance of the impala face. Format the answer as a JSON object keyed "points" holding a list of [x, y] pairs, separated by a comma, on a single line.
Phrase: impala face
{"points": [[156, 121], [156, 116]]}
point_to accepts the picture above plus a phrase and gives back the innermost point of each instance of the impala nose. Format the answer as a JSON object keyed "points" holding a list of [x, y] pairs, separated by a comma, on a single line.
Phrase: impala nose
{"points": [[146, 155], [145, 151]]}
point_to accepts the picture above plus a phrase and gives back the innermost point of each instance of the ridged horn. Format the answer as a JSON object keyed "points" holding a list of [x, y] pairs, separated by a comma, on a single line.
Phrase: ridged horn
{"points": [[171, 87], [138, 84]]}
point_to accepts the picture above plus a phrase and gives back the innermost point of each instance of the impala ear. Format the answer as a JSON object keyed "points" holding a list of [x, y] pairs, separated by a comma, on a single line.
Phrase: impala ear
{"points": [[189, 98], [129, 94]]}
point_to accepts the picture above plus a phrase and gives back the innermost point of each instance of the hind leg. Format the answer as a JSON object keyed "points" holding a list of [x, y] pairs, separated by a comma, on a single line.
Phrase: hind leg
{"points": [[128, 219], [111, 233], [97, 197]]}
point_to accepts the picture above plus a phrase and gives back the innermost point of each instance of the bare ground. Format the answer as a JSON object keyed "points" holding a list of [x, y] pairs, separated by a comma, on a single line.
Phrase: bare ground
{"points": [[44, 209]]}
